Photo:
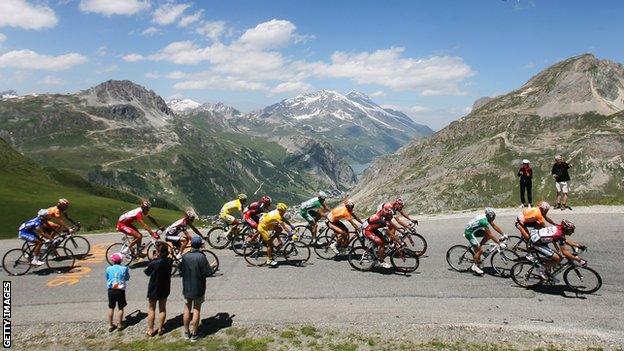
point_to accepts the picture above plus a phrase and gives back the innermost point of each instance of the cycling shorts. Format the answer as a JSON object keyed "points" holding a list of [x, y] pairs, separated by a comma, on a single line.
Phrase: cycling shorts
{"points": [[341, 225], [228, 218], [175, 238], [544, 249], [264, 233], [311, 216], [472, 236], [27, 235], [128, 229], [252, 220], [374, 235]]}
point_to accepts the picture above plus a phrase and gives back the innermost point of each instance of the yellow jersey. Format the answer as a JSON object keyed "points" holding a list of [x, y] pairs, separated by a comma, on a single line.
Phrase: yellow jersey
{"points": [[231, 207], [270, 220]]}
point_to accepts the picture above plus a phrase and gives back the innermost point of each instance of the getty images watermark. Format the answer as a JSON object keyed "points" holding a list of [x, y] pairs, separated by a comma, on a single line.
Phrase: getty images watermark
{"points": [[6, 314]]}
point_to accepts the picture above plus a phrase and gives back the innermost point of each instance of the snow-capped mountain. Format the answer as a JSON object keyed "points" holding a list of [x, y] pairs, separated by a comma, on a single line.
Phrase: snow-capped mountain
{"points": [[220, 108], [182, 105], [353, 123]]}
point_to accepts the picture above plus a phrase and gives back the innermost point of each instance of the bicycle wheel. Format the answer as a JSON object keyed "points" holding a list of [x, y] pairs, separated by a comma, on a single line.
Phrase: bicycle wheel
{"points": [[218, 238], [16, 262], [459, 257], [322, 249], [304, 233], [361, 258], [516, 244], [255, 253], [296, 252], [117, 247], [525, 275], [151, 251], [502, 262], [583, 280], [213, 261], [404, 260], [238, 243], [59, 259], [416, 243], [79, 245]]}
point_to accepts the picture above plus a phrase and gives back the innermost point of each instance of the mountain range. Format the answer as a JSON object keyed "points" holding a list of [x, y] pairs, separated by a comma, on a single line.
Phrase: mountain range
{"points": [[573, 108]]}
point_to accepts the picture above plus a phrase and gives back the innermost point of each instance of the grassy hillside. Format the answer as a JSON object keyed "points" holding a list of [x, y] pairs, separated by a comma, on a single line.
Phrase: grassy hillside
{"points": [[25, 187]]}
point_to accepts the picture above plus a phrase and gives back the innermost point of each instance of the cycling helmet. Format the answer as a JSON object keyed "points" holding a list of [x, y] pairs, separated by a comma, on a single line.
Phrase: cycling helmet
{"points": [[146, 205], [190, 215], [490, 214], [116, 258], [266, 199], [350, 204], [543, 206], [43, 213], [242, 197], [387, 210], [567, 227], [282, 206], [62, 204], [398, 204], [322, 195]]}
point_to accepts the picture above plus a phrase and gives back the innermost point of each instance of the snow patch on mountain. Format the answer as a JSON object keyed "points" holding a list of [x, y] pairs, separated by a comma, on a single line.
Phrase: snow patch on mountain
{"points": [[182, 105]]}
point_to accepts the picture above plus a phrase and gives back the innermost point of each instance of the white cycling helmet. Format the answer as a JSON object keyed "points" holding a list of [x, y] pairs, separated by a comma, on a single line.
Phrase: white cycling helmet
{"points": [[42, 213], [490, 213], [322, 195]]}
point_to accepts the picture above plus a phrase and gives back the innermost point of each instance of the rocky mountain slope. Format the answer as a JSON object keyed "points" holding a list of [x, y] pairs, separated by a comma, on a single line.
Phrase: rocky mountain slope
{"points": [[573, 108], [353, 124], [122, 135]]}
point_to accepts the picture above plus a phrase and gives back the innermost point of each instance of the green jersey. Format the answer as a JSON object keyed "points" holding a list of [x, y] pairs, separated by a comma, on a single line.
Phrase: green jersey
{"points": [[311, 204], [476, 224]]}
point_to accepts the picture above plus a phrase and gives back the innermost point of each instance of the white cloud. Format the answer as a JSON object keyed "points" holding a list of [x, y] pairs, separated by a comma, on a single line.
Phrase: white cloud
{"points": [[108, 69], [28, 59], [101, 51], [133, 58], [2, 37], [212, 29], [150, 31], [271, 34], [438, 75], [288, 87], [20, 13], [378, 93], [190, 19], [176, 75], [51, 80], [168, 13], [114, 7], [408, 110], [220, 83]]}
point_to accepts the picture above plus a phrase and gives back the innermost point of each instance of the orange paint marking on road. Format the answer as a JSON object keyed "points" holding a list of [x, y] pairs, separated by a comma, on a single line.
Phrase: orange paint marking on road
{"points": [[97, 255]]}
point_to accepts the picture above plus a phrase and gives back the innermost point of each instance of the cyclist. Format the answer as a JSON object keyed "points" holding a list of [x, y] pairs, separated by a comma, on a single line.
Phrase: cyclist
{"points": [[371, 226], [309, 210], [556, 235], [271, 221], [125, 225], [177, 234], [533, 217], [478, 227], [230, 208], [342, 212], [252, 213], [58, 213], [397, 206], [32, 231]]}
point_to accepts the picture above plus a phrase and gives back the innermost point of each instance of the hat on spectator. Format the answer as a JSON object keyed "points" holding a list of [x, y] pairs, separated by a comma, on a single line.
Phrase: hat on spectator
{"points": [[525, 161], [196, 242]]}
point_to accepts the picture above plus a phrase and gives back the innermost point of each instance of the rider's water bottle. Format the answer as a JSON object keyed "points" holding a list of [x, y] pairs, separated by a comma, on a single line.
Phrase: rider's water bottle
{"points": [[487, 252]]}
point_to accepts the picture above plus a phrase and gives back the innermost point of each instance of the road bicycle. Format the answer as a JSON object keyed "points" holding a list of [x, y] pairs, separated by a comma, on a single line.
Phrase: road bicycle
{"points": [[284, 245], [304, 231], [220, 236], [414, 241], [584, 280], [57, 257], [131, 255], [326, 237], [460, 258], [403, 259], [79, 245]]}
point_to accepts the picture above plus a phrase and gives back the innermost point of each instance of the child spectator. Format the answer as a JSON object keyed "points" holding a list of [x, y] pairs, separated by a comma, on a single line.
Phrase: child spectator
{"points": [[117, 277]]}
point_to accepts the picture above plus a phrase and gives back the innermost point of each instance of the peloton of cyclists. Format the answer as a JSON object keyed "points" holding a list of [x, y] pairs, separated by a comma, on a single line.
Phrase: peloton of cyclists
{"points": [[533, 218]]}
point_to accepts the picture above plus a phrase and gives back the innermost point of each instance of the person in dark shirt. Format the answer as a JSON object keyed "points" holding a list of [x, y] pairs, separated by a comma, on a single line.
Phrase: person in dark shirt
{"points": [[526, 183], [562, 182], [194, 269], [158, 288]]}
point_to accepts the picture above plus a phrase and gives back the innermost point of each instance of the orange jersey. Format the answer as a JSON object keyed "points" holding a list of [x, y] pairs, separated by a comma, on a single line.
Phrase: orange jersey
{"points": [[531, 216], [338, 213], [54, 212]]}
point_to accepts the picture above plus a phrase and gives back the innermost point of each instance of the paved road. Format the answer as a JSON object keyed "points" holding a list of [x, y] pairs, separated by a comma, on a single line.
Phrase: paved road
{"points": [[332, 293]]}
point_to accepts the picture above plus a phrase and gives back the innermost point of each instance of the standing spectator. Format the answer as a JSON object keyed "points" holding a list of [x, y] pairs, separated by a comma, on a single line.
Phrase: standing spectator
{"points": [[116, 278], [526, 183], [194, 269], [562, 179], [159, 271]]}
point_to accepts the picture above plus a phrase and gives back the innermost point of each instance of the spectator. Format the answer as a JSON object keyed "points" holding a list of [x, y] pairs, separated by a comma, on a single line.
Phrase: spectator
{"points": [[159, 271], [117, 277], [526, 183], [194, 269], [562, 180]]}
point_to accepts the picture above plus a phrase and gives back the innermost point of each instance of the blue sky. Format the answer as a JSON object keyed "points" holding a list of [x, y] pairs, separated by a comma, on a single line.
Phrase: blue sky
{"points": [[431, 59]]}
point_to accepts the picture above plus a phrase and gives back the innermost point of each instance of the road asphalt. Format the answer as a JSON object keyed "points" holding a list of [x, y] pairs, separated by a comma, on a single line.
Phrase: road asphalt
{"points": [[330, 292]]}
